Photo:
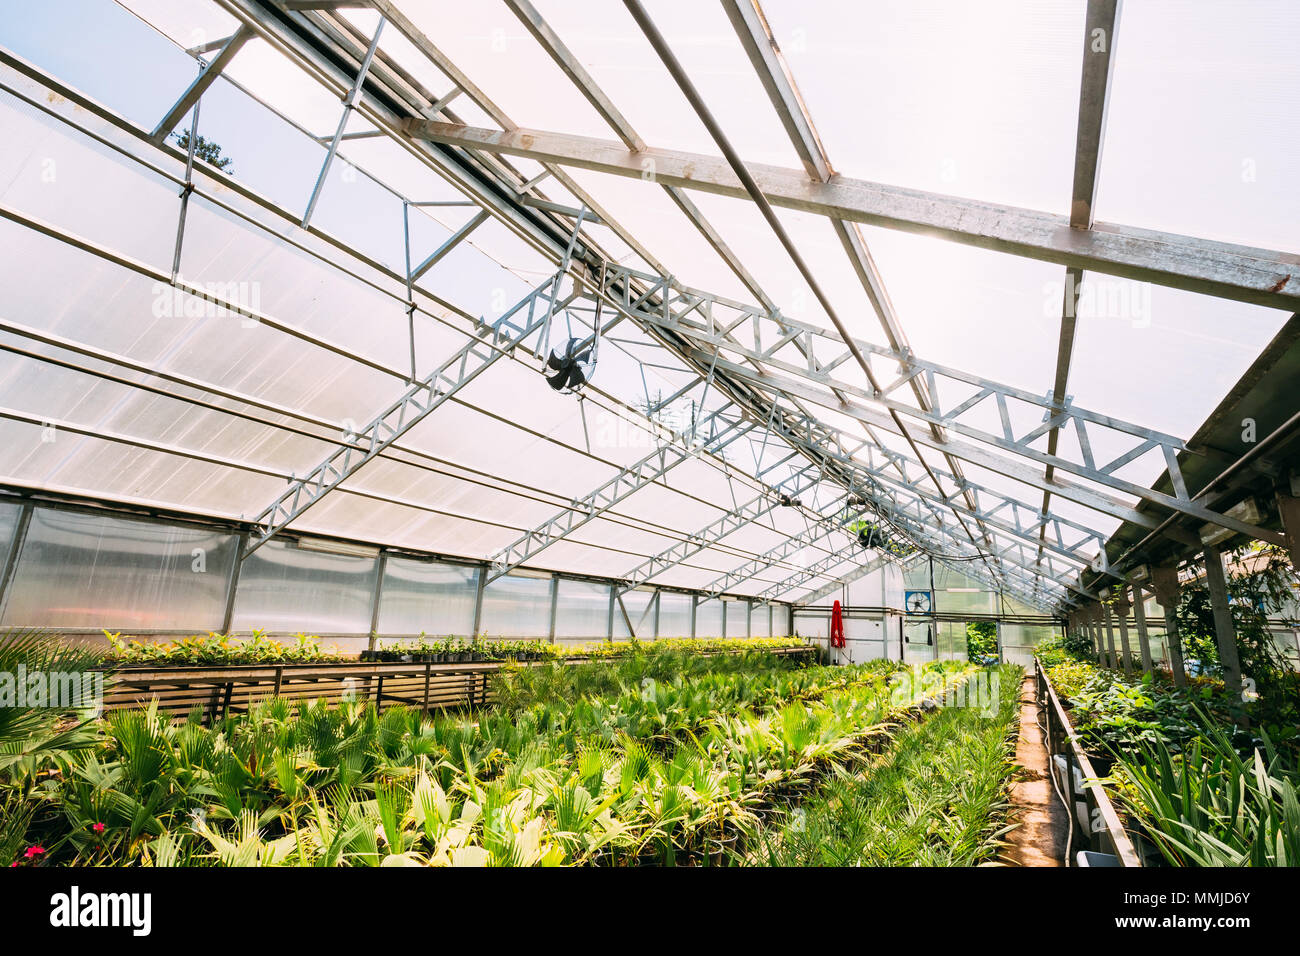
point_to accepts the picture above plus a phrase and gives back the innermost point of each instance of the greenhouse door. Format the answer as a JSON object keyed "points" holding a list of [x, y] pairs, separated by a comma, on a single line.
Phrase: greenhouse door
{"points": [[918, 641]]}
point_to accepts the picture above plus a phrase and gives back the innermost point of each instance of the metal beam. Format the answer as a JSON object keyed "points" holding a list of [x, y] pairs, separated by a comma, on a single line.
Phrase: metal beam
{"points": [[201, 84], [1258, 276], [680, 447], [712, 533], [452, 242], [413, 406], [828, 446], [349, 104], [860, 571], [1094, 96], [1020, 447]]}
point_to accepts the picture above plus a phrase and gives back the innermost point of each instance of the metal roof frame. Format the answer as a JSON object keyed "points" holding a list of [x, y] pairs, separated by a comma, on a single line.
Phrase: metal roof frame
{"points": [[769, 373]]}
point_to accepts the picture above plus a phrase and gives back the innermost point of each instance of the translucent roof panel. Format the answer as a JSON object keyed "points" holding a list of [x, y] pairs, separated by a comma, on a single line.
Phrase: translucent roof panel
{"points": [[274, 342], [1200, 134], [996, 87]]}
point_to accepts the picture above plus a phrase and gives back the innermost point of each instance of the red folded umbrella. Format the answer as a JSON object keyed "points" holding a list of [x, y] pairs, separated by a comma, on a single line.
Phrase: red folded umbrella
{"points": [[837, 626]]}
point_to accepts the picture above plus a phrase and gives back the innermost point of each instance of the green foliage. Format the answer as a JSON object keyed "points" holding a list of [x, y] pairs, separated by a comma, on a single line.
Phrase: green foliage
{"points": [[1261, 584], [938, 797], [1059, 648], [217, 649], [663, 770], [1210, 806], [29, 735], [454, 649], [206, 150], [877, 537], [1207, 788], [981, 641]]}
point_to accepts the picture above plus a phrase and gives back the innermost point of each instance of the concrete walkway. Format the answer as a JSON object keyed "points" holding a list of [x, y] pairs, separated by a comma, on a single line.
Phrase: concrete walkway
{"points": [[1039, 840]]}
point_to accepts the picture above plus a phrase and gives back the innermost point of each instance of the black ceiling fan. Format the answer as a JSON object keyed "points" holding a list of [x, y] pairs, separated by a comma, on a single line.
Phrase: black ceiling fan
{"points": [[572, 369]]}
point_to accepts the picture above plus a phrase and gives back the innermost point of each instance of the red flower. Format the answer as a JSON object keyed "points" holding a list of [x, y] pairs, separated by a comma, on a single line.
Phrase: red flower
{"points": [[98, 827], [34, 851]]}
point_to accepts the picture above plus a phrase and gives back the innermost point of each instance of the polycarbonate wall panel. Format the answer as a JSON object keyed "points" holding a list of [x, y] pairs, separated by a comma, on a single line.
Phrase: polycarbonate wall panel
{"points": [[581, 611], [812, 624], [950, 640], [708, 618], [1159, 642], [965, 602], [283, 589], [427, 597], [99, 571], [640, 609], [675, 614], [760, 621], [517, 606], [736, 622], [1019, 640], [9, 514]]}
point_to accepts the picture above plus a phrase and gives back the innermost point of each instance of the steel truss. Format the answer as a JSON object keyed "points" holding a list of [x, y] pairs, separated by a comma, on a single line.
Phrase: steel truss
{"points": [[768, 369], [343, 82]]}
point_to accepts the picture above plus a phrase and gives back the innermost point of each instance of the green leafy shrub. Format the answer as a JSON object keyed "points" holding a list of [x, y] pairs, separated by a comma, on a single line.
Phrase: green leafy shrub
{"points": [[981, 641], [1210, 806], [217, 649]]}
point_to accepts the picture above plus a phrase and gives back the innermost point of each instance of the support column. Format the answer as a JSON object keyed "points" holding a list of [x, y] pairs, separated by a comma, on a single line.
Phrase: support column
{"points": [[1092, 627], [1144, 641], [1111, 657], [1224, 632], [1288, 507], [1121, 612], [1164, 582]]}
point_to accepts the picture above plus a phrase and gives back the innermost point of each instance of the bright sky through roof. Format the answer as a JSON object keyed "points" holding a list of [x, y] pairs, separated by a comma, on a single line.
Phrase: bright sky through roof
{"points": [[974, 100]]}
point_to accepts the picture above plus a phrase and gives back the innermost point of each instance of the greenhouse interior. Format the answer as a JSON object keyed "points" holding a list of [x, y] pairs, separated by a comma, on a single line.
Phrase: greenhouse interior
{"points": [[649, 434]]}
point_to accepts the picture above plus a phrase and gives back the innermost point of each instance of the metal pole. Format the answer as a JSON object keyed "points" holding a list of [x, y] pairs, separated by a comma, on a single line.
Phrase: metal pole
{"points": [[555, 601], [228, 614], [1144, 641], [1224, 631], [1164, 581], [205, 79], [11, 557], [410, 293], [349, 104], [479, 577], [1121, 614], [188, 186], [380, 565], [1112, 659]]}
